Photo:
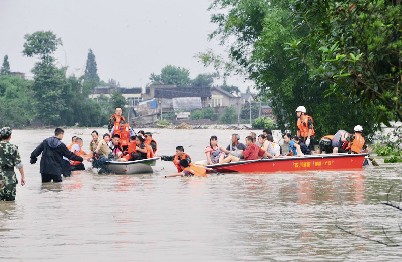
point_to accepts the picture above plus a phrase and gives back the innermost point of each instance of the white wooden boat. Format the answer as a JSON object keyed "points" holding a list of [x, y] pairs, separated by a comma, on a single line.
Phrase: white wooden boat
{"points": [[142, 166]]}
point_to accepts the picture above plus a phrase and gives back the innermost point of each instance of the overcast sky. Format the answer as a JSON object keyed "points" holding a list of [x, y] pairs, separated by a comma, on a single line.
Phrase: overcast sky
{"points": [[130, 38]]}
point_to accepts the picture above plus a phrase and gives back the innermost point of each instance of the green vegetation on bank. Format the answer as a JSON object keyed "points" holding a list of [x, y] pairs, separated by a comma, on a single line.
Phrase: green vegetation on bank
{"points": [[52, 98], [340, 59], [390, 146]]}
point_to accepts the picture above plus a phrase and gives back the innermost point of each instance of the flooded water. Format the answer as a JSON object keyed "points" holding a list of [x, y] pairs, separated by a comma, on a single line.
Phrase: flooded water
{"points": [[233, 217]]}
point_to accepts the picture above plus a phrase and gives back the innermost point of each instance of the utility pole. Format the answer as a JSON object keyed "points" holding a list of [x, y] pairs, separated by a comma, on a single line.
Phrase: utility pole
{"points": [[250, 110]]}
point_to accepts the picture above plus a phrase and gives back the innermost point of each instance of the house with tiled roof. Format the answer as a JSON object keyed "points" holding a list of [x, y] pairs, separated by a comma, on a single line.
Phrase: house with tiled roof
{"points": [[222, 98]]}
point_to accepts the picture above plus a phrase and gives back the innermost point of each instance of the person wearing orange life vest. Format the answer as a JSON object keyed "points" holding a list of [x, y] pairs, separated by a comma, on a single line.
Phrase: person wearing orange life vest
{"points": [[180, 155], [73, 138], [357, 141], [143, 151], [190, 169], [116, 118], [66, 167], [129, 154], [150, 141], [77, 150], [125, 132], [305, 127]]}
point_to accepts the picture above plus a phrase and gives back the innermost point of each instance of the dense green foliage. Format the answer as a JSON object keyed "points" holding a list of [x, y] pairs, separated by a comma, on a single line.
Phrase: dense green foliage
{"points": [[245, 111], [263, 123], [390, 145], [52, 98], [205, 113], [172, 75], [5, 68], [229, 116], [293, 50], [17, 108], [203, 80]]}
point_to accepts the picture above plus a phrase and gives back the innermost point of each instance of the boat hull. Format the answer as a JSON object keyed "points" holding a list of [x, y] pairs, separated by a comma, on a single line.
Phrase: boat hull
{"points": [[294, 164], [143, 166]]}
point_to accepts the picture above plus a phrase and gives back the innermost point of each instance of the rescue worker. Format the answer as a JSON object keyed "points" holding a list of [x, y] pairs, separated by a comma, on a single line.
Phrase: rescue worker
{"points": [[116, 118], [52, 150], [357, 141], [190, 169], [305, 127], [9, 158], [180, 155]]}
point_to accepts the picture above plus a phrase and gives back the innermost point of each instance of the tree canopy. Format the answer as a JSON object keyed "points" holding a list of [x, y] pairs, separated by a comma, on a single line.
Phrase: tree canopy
{"points": [[43, 44], [296, 52], [90, 78], [5, 68], [172, 75]]}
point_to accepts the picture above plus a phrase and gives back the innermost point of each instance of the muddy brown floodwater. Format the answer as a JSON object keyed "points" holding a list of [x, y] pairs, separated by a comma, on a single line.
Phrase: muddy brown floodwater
{"points": [[233, 217]]}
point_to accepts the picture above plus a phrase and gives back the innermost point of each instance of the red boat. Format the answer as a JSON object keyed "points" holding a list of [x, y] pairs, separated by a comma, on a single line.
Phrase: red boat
{"points": [[294, 164]]}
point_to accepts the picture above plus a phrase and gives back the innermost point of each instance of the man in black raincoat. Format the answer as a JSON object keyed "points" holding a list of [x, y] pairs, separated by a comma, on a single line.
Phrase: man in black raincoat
{"points": [[53, 150]]}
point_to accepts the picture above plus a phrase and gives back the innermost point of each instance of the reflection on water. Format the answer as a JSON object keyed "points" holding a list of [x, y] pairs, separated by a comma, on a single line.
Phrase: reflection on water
{"points": [[233, 217]]}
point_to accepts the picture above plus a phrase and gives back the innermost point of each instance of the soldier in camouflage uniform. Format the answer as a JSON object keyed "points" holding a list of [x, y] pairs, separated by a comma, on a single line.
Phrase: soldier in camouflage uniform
{"points": [[9, 158]]}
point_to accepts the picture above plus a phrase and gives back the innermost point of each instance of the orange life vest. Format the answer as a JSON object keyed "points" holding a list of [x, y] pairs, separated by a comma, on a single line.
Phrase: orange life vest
{"points": [[357, 144], [176, 160], [132, 146], [196, 170], [123, 132], [302, 125], [149, 140], [117, 119], [150, 151], [79, 153], [330, 137], [70, 146]]}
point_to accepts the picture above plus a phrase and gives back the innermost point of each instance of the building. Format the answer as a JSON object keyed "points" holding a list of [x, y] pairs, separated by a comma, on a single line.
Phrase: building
{"points": [[132, 95], [222, 98], [165, 94]]}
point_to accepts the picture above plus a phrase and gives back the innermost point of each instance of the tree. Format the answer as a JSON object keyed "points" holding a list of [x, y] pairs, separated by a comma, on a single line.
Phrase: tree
{"points": [[231, 89], [90, 78], [42, 43], [17, 108], [172, 75], [49, 81], [229, 116], [118, 100], [261, 33], [203, 80], [359, 50], [5, 69]]}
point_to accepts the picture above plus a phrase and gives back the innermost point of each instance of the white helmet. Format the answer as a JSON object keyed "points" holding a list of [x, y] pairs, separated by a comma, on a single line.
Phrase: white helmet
{"points": [[301, 109], [358, 128]]}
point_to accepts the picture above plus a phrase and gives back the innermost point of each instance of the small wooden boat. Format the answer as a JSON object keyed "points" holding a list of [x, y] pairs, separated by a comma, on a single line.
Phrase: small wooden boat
{"points": [[294, 164], [132, 167]]}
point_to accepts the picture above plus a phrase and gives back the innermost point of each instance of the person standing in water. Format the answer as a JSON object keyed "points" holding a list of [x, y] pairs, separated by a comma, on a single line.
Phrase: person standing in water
{"points": [[53, 150], [9, 158]]}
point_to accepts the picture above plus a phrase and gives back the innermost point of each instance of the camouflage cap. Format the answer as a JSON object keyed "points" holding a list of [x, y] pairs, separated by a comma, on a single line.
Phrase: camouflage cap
{"points": [[5, 131]]}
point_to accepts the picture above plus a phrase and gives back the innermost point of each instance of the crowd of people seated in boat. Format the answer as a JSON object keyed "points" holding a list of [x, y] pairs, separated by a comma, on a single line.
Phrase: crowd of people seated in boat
{"points": [[123, 144]]}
